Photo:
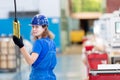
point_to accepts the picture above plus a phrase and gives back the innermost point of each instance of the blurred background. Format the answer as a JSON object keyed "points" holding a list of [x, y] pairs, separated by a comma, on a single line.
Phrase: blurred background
{"points": [[72, 21]]}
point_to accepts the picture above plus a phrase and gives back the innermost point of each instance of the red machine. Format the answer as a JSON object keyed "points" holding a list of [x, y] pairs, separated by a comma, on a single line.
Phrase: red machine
{"points": [[95, 58], [108, 71], [104, 75]]}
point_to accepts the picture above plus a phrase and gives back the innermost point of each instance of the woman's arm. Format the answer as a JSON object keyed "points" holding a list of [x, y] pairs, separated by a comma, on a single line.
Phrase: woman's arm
{"points": [[29, 58]]}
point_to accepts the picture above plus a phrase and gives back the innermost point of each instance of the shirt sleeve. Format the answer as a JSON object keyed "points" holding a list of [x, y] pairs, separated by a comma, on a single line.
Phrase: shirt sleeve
{"points": [[37, 47]]}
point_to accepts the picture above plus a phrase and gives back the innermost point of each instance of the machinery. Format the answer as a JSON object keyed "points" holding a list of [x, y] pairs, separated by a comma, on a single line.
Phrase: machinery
{"points": [[108, 28]]}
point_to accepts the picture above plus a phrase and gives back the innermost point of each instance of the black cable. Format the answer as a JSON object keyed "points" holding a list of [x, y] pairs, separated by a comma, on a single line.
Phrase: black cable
{"points": [[15, 19]]}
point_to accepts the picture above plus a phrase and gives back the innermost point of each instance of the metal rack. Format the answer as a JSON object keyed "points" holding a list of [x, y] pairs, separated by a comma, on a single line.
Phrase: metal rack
{"points": [[10, 59]]}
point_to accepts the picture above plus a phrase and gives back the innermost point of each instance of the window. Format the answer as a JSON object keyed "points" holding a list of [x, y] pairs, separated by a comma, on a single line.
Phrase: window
{"points": [[24, 14], [117, 27]]}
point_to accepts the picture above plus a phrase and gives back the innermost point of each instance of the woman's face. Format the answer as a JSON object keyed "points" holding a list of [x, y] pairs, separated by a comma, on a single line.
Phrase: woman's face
{"points": [[37, 30]]}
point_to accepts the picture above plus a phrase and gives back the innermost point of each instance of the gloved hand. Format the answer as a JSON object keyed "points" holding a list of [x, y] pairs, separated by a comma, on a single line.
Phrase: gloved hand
{"points": [[18, 42]]}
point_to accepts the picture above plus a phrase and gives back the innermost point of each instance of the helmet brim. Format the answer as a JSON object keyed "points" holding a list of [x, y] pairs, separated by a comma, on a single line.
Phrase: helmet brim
{"points": [[34, 25]]}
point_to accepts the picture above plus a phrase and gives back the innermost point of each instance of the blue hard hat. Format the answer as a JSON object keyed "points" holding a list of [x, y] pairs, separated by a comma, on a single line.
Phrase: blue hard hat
{"points": [[39, 20]]}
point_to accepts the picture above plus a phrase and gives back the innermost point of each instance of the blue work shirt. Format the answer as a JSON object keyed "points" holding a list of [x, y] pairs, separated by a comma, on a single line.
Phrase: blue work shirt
{"points": [[42, 68]]}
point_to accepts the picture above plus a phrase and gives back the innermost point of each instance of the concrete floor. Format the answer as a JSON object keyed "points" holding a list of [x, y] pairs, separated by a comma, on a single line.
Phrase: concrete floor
{"points": [[69, 67]]}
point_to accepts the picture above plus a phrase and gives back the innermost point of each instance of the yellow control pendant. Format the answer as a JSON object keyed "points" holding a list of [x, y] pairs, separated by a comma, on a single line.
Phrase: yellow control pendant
{"points": [[16, 29]]}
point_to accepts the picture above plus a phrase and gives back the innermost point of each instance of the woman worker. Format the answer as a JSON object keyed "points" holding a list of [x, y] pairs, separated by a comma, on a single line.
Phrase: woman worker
{"points": [[43, 56]]}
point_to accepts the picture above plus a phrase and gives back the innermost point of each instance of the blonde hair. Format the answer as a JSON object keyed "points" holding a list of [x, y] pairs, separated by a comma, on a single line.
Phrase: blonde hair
{"points": [[51, 35]]}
